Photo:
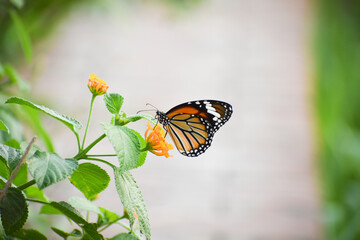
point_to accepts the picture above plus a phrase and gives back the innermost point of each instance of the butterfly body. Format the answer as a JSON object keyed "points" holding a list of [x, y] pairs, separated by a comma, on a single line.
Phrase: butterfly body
{"points": [[192, 125]]}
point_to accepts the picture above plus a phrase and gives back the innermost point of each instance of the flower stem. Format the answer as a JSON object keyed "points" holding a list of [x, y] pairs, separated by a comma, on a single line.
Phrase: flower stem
{"points": [[26, 185], [82, 153], [88, 121], [100, 160], [101, 155]]}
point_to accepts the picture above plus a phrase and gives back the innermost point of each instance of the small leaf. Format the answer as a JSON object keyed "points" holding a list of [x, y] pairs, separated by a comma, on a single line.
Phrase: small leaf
{"points": [[132, 199], [23, 35], [3, 127], [14, 210], [126, 145], [113, 102], [73, 124], [84, 204], [11, 155], [29, 234], [124, 236], [108, 216], [61, 233], [34, 192], [49, 168], [143, 154], [90, 179], [137, 117], [91, 232], [69, 211], [4, 170]]}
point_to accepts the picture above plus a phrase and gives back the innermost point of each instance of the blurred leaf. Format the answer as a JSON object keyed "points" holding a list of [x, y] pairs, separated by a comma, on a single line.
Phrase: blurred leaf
{"points": [[126, 145], [15, 77], [84, 204], [34, 192], [23, 35], [74, 233], [90, 179], [14, 210], [48, 209], [29, 234], [3, 127], [4, 169], [38, 127], [132, 199], [17, 3], [108, 216], [73, 124], [124, 236], [49, 168], [113, 102], [22, 176], [11, 155]]}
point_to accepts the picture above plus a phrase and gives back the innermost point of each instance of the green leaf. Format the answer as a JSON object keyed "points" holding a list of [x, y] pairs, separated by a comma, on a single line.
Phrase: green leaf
{"points": [[124, 236], [69, 211], [49, 168], [4, 169], [11, 155], [3, 127], [137, 117], [22, 176], [24, 37], [108, 216], [126, 145], [113, 102], [15, 77], [143, 154], [132, 199], [84, 204], [61, 233], [48, 209], [90, 179], [73, 124], [29, 234], [14, 210], [34, 192]]}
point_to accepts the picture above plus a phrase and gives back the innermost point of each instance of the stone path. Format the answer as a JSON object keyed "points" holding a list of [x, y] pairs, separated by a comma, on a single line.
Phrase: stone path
{"points": [[257, 181]]}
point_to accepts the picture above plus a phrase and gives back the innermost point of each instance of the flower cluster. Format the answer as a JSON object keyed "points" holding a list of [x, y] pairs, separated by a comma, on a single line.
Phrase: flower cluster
{"points": [[156, 142], [97, 85]]}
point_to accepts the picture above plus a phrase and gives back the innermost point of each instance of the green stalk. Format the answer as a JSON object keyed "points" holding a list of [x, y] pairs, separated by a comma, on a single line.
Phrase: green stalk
{"points": [[88, 121], [82, 153], [26, 185]]}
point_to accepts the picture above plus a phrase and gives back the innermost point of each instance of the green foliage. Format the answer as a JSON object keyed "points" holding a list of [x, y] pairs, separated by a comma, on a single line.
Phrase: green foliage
{"points": [[113, 102], [90, 179], [337, 54], [3, 127], [29, 234], [14, 210], [71, 123], [126, 145], [132, 199], [49, 168]]}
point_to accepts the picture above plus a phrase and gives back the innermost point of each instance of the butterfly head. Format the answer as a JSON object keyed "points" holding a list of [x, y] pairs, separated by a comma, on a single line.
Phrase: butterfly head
{"points": [[162, 118]]}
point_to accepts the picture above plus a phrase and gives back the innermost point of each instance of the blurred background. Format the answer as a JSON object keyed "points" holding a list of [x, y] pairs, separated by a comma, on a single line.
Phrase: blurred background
{"points": [[286, 165]]}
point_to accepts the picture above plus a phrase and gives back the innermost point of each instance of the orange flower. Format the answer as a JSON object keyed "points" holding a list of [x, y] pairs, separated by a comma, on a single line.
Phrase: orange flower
{"points": [[97, 85], [156, 142]]}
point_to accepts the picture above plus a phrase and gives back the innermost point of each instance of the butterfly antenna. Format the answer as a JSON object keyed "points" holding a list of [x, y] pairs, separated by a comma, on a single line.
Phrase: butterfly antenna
{"points": [[148, 110], [148, 104]]}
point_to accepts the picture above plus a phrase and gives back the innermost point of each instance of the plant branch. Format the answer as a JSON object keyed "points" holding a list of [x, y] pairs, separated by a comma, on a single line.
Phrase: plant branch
{"points": [[82, 153], [100, 160], [26, 185], [36, 201], [16, 170]]}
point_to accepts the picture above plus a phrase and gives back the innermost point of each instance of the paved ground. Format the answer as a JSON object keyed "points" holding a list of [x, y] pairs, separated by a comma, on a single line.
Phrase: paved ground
{"points": [[257, 180]]}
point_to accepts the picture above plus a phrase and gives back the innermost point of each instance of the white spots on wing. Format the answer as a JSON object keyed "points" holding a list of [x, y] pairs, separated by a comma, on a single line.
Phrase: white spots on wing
{"points": [[216, 114], [197, 102]]}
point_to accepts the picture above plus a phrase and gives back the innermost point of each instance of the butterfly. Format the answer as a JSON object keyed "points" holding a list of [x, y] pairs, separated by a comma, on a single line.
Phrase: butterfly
{"points": [[192, 125]]}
